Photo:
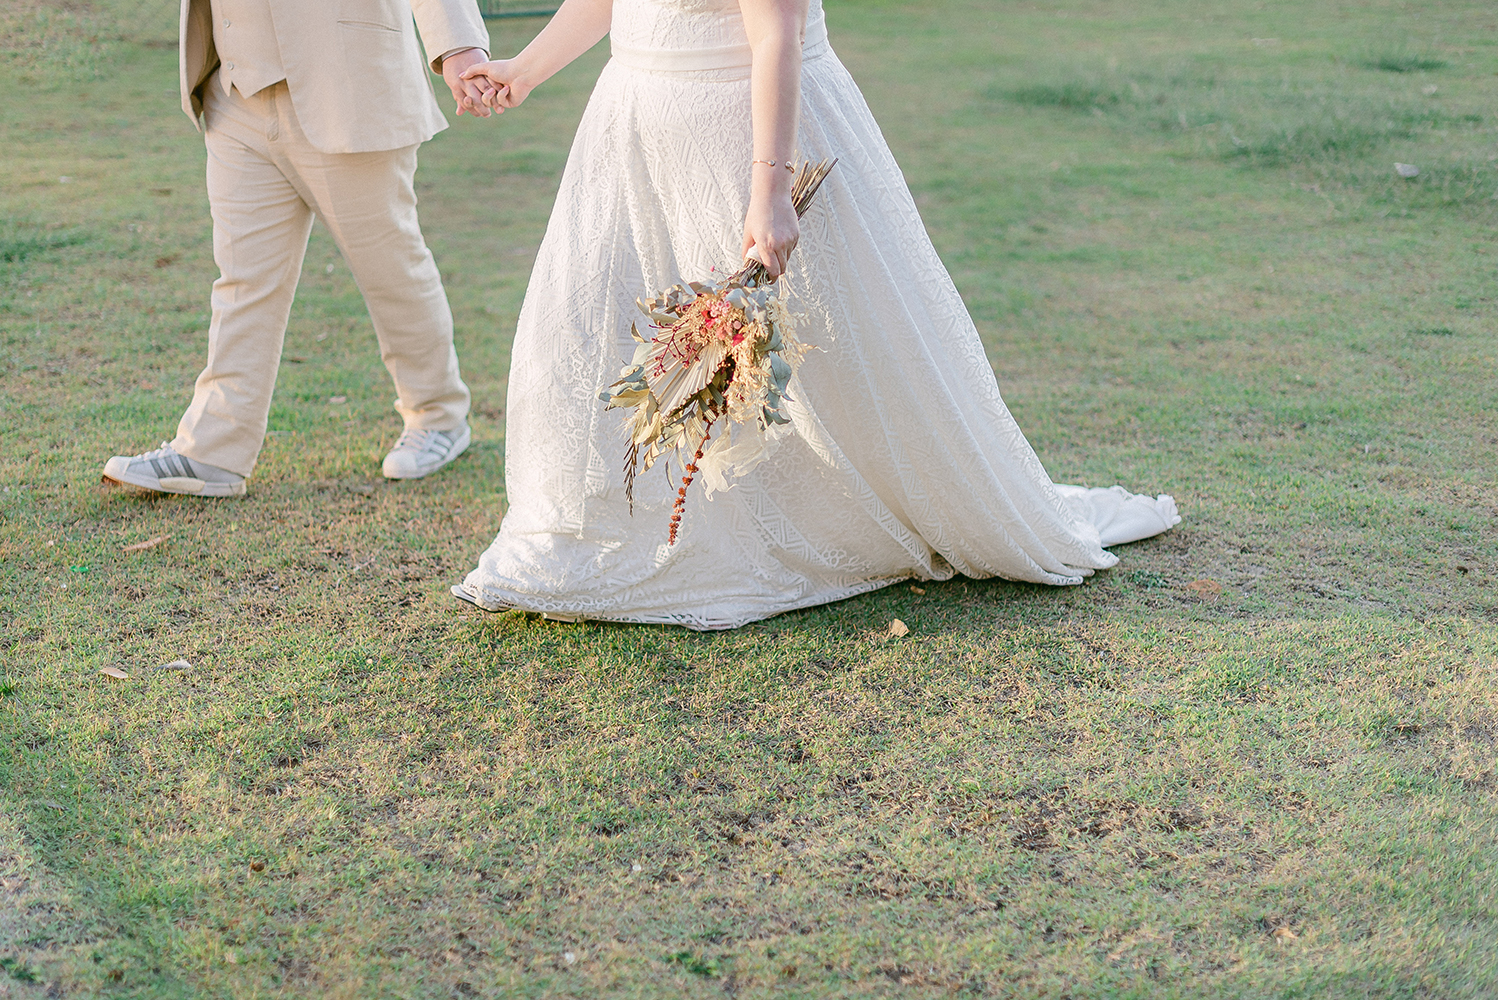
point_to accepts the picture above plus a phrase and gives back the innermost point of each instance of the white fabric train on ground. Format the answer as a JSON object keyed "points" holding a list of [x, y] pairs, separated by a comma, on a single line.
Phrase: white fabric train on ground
{"points": [[1120, 516], [901, 460]]}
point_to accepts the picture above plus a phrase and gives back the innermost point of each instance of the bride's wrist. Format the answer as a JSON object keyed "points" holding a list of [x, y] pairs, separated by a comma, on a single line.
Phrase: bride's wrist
{"points": [[768, 182], [523, 83], [526, 75]]}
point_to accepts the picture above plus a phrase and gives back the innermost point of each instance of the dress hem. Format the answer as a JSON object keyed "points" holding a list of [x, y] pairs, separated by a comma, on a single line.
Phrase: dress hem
{"points": [[515, 602]]}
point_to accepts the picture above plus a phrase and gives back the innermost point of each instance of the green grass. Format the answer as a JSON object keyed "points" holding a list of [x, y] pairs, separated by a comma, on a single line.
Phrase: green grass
{"points": [[1257, 112], [1256, 760], [1401, 59], [17, 248]]}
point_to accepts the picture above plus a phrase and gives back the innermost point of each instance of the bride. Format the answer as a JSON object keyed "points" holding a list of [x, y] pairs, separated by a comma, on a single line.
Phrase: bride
{"points": [[902, 460]]}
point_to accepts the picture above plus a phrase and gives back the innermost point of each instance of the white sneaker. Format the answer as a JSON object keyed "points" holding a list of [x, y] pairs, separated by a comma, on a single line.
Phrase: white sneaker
{"points": [[165, 471], [420, 453]]}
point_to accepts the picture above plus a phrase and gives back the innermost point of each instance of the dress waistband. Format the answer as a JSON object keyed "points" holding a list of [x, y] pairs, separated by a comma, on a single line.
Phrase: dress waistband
{"points": [[718, 57]]}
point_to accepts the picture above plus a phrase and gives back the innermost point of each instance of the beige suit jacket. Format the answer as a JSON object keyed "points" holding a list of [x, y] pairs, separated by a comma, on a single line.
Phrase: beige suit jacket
{"points": [[357, 80]]}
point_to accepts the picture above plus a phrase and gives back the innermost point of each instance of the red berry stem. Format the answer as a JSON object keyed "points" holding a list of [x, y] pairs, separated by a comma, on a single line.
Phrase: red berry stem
{"points": [[681, 495]]}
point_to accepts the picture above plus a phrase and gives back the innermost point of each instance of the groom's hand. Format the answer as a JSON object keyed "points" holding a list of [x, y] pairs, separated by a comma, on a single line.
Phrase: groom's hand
{"points": [[469, 94], [506, 88]]}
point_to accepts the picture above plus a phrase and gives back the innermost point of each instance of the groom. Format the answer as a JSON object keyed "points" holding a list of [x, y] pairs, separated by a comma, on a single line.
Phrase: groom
{"points": [[316, 108]]}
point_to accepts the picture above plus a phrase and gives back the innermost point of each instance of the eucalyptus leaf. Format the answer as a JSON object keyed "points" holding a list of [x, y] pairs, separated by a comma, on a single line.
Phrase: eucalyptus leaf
{"points": [[780, 371]]}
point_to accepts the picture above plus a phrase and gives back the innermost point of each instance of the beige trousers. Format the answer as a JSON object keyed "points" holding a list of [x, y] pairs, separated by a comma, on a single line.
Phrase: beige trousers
{"points": [[265, 182]]}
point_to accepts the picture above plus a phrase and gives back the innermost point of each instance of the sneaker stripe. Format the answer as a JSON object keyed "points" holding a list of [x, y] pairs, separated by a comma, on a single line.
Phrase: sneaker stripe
{"points": [[187, 469], [163, 471]]}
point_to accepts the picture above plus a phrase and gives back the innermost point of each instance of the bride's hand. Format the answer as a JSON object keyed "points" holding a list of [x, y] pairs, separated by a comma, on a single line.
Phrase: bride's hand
{"points": [[772, 227], [508, 91]]}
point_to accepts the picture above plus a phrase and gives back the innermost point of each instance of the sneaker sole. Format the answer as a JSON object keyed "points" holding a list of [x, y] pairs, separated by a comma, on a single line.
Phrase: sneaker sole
{"points": [[466, 598], [550, 616], [457, 450], [179, 486]]}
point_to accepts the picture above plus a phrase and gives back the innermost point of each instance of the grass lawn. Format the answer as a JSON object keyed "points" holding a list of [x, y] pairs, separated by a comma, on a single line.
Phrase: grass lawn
{"points": [[1255, 760]]}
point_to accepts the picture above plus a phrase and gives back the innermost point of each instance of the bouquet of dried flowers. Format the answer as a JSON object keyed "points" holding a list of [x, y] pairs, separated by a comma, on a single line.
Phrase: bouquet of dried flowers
{"points": [[720, 349]]}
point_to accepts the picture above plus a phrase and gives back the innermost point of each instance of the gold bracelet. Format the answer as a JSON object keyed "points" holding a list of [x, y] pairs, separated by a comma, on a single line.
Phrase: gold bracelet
{"points": [[774, 163]]}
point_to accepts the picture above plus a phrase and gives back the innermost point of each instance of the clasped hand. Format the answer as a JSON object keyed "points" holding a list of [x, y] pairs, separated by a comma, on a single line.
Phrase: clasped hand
{"points": [[469, 95], [499, 81]]}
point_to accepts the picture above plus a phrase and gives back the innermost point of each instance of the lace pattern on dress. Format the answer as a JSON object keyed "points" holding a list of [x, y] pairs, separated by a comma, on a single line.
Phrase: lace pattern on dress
{"points": [[904, 461]]}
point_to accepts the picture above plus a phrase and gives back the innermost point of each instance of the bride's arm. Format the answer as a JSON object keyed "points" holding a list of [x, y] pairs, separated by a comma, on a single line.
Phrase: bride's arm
{"points": [[775, 29], [574, 29]]}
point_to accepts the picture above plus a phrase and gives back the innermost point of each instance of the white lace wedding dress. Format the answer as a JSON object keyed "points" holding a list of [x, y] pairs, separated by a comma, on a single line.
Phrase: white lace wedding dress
{"points": [[903, 460]]}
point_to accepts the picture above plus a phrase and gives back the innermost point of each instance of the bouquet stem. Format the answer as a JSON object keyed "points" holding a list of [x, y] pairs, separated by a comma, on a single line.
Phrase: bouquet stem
{"points": [[808, 179]]}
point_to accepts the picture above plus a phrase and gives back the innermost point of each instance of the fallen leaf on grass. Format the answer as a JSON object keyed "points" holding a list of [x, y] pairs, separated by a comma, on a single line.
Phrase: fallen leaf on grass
{"points": [[50, 804], [149, 543], [1204, 588], [116, 673], [176, 665], [897, 628], [917, 590], [1285, 934], [257, 866]]}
